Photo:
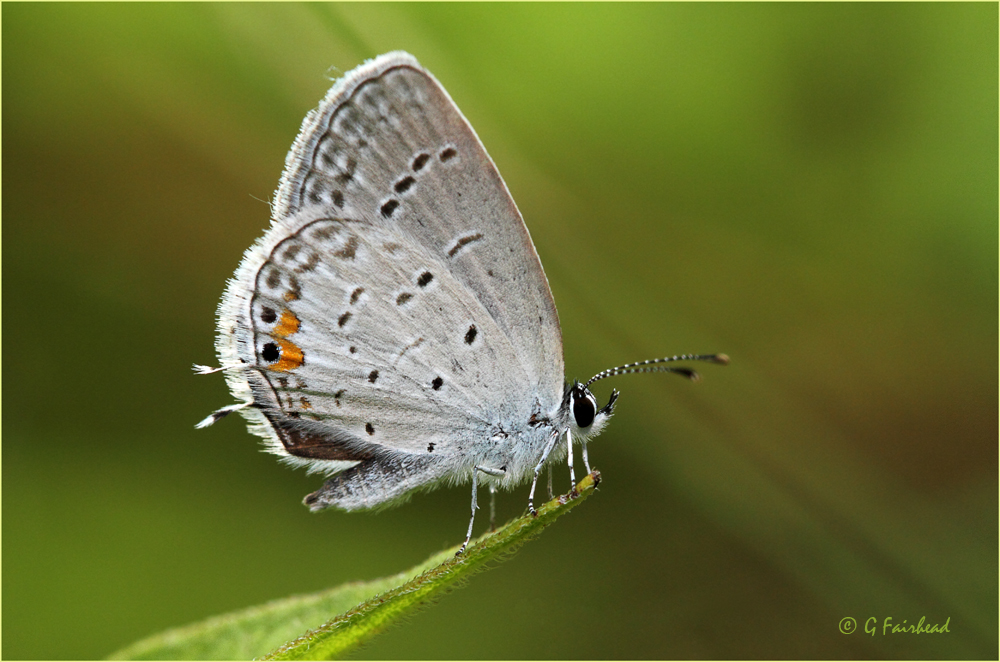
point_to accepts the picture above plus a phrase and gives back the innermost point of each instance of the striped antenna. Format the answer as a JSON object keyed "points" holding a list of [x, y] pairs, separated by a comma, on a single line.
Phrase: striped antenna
{"points": [[644, 366]]}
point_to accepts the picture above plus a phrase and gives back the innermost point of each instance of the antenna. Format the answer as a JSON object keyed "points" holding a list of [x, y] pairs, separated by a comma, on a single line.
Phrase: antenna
{"points": [[643, 366]]}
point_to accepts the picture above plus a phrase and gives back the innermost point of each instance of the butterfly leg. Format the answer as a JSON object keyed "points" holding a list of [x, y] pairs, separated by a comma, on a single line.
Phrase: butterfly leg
{"points": [[569, 454], [475, 485], [493, 508], [538, 468], [551, 496], [586, 461], [468, 535]]}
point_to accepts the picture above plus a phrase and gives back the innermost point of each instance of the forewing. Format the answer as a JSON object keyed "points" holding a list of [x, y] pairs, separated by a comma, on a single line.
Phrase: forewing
{"points": [[389, 145]]}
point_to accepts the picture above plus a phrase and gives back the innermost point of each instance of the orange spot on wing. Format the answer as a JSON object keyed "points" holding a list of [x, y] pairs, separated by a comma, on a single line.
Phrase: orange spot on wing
{"points": [[288, 325], [291, 356]]}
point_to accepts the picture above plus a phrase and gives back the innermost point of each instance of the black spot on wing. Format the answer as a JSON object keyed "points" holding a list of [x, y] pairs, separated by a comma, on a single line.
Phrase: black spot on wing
{"points": [[463, 242], [420, 161], [270, 353], [389, 207], [403, 185]]}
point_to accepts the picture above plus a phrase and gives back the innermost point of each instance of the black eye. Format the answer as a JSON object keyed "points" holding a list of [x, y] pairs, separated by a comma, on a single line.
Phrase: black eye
{"points": [[584, 407]]}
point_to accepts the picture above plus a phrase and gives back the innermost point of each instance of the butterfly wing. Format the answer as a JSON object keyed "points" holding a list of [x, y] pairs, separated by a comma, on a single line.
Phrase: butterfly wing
{"points": [[395, 313], [389, 144]]}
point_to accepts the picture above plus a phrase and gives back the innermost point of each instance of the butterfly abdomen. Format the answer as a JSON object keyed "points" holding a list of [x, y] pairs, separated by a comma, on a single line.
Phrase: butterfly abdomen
{"points": [[377, 482]]}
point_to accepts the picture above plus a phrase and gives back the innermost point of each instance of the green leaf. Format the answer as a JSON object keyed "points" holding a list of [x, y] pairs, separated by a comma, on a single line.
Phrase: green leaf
{"points": [[365, 608]]}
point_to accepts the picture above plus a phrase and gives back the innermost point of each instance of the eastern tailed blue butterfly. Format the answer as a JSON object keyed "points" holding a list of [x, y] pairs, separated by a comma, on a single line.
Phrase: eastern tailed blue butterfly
{"points": [[394, 329]]}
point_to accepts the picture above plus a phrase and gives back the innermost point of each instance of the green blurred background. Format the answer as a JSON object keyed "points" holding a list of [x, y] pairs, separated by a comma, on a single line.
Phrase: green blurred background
{"points": [[809, 188]]}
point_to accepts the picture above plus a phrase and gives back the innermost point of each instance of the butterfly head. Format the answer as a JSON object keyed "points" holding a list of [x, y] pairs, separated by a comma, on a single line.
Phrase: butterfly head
{"points": [[585, 417], [587, 420]]}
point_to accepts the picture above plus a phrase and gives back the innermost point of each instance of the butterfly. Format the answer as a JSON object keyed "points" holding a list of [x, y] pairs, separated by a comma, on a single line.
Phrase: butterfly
{"points": [[394, 329]]}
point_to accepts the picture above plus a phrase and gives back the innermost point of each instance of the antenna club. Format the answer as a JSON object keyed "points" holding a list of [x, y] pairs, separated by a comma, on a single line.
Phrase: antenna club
{"points": [[721, 359]]}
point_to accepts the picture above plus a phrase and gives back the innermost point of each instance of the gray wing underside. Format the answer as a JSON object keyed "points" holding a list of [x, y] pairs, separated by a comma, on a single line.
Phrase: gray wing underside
{"points": [[357, 330], [396, 310], [389, 145]]}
